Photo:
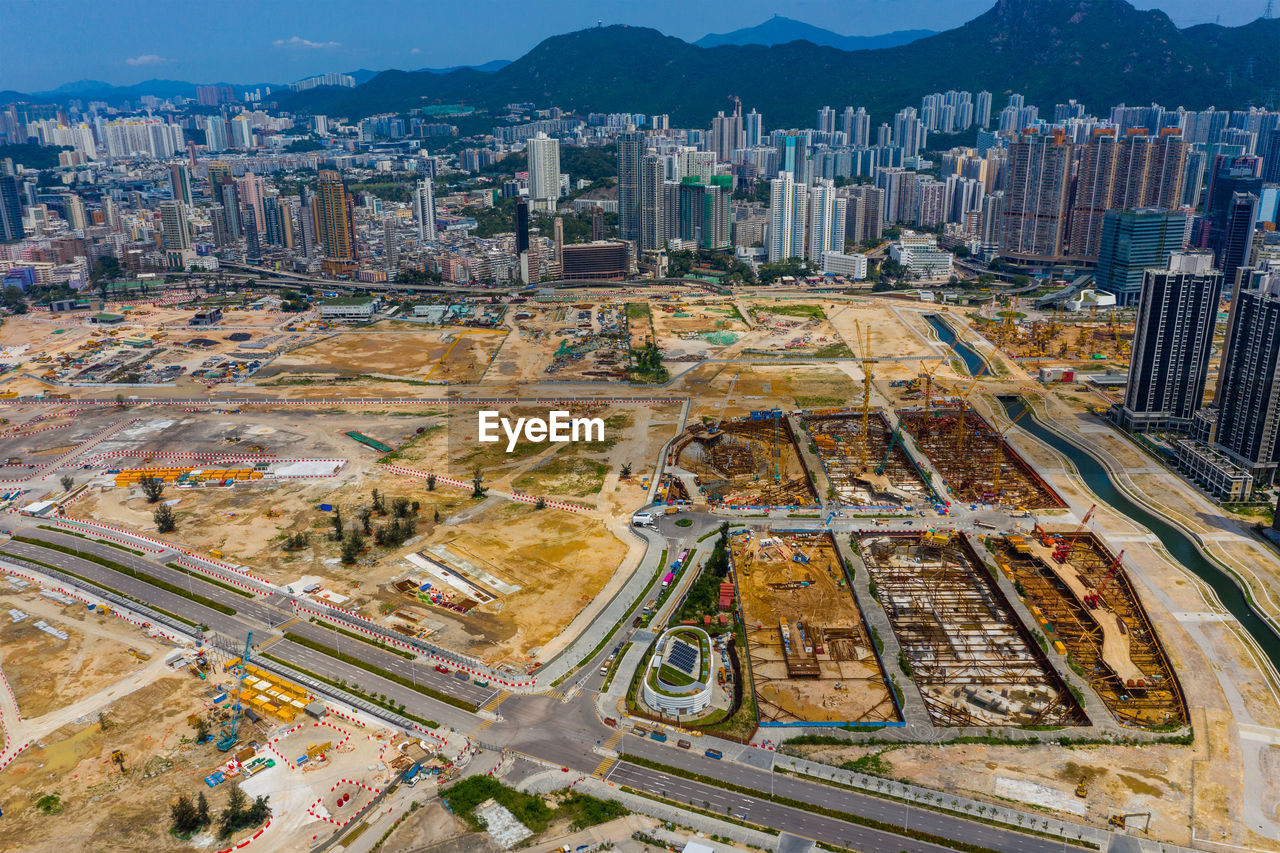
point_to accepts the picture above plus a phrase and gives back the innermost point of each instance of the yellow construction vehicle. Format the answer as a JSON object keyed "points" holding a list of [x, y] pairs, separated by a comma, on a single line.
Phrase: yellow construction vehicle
{"points": [[1121, 821], [118, 757], [1081, 790]]}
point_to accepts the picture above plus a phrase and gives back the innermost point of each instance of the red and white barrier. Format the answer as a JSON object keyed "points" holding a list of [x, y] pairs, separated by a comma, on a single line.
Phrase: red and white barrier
{"points": [[464, 484]]}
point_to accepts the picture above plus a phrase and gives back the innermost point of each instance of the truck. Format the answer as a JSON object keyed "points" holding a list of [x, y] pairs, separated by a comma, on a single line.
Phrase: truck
{"points": [[714, 753], [660, 737], [644, 519]]}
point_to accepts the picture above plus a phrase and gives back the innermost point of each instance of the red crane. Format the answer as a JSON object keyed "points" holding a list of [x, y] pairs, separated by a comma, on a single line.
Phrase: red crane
{"points": [[1064, 547], [1094, 599]]}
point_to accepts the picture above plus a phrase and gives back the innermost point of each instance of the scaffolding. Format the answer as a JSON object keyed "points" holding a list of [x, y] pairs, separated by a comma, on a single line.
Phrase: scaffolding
{"points": [[968, 456], [893, 476], [747, 462], [1148, 694], [972, 660]]}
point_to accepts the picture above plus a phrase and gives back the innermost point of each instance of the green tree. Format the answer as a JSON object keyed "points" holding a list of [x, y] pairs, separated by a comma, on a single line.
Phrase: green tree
{"points": [[165, 520], [202, 808], [478, 489], [185, 816], [336, 521], [351, 547], [152, 488], [67, 482]]}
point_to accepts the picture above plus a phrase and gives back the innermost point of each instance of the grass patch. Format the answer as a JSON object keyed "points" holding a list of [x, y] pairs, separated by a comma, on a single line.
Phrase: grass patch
{"points": [[565, 475], [103, 586], [375, 643], [684, 522], [837, 350], [133, 573], [228, 587], [91, 539], [380, 672], [848, 817], [812, 312], [465, 796], [373, 700]]}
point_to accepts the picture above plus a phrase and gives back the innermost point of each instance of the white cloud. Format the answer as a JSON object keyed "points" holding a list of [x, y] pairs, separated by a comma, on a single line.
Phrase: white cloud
{"points": [[416, 50], [146, 59], [298, 41]]}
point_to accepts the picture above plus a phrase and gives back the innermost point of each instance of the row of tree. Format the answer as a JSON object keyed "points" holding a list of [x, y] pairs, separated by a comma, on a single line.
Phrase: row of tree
{"points": [[190, 817]]}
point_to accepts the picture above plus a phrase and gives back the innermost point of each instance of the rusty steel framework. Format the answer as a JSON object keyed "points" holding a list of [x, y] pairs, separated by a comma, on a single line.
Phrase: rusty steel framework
{"points": [[968, 453], [748, 462], [837, 435], [973, 661], [1159, 702]]}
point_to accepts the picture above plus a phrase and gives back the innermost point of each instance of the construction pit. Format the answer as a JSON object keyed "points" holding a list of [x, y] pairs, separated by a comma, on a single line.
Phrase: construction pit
{"points": [[751, 461], [443, 356], [785, 328], [977, 463], [973, 661], [876, 471], [1085, 602], [811, 656]]}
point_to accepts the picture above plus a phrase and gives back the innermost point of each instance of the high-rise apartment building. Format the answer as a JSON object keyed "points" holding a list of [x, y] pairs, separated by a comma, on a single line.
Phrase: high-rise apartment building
{"points": [[173, 226], [726, 134], [982, 110], [180, 182], [1248, 396], [864, 217], [826, 223], [1035, 211], [702, 211], [1172, 342], [424, 210], [631, 148], [652, 208], [788, 213], [333, 215], [544, 172], [1133, 241]]}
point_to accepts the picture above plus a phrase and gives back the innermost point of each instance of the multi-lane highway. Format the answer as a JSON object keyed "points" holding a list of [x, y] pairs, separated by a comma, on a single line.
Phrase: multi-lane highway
{"points": [[565, 732]]}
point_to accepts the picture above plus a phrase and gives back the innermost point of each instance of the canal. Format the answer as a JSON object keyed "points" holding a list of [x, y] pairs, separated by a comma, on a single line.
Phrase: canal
{"points": [[1178, 543]]}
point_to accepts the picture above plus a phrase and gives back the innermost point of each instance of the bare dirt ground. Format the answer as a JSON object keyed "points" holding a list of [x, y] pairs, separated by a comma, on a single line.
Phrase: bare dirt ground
{"points": [[448, 355]]}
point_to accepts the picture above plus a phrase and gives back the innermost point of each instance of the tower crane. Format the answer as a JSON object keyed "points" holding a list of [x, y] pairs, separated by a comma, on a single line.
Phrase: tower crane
{"points": [[926, 380], [999, 452], [963, 408], [231, 732], [724, 404], [864, 344], [1064, 548]]}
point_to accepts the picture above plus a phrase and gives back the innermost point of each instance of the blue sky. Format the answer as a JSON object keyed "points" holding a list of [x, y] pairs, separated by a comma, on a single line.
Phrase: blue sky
{"points": [[51, 42]]}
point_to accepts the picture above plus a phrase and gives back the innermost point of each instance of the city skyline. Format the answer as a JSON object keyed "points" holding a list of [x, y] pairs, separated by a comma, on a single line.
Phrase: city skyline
{"points": [[286, 42]]}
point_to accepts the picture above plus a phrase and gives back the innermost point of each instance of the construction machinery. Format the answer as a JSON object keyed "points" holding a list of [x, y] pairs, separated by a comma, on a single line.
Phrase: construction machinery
{"points": [[1081, 791], [864, 344], [1064, 547], [894, 440], [1094, 599], [715, 427], [962, 408], [118, 757], [1121, 821], [231, 732], [999, 452]]}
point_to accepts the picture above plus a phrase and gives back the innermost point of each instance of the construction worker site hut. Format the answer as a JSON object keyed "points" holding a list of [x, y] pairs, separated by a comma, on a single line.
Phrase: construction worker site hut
{"points": [[809, 649], [750, 461], [972, 659], [862, 472], [1082, 597], [976, 461]]}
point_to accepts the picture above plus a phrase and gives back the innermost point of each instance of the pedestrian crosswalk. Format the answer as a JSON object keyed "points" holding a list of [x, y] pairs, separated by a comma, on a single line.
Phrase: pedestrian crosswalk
{"points": [[603, 768], [491, 706]]}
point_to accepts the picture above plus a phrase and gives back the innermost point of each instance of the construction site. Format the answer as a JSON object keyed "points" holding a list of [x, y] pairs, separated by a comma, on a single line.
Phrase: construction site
{"points": [[973, 661], [1056, 341], [446, 356], [864, 459], [585, 341], [1083, 599], [975, 460], [812, 658], [751, 461]]}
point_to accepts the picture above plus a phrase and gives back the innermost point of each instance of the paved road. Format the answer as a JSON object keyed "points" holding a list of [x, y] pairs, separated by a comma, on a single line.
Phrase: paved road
{"points": [[546, 727]]}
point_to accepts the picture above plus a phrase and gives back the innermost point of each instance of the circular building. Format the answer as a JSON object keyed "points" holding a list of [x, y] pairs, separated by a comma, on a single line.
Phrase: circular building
{"points": [[681, 673]]}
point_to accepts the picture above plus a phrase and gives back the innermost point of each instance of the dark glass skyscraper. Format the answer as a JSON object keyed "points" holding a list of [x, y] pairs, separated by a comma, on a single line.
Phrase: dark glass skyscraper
{"points": [[1249, 378], [10, 210], [1132, 242], [1236, 240]]}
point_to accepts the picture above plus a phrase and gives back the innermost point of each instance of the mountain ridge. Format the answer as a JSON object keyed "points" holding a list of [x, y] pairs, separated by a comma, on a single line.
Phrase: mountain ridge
{"points": [[1099, 51], [780, 30]]}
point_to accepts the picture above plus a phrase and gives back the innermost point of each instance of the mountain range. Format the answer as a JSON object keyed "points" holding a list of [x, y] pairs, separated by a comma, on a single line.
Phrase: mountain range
{"points": [[1099, 51], [780, 30]]}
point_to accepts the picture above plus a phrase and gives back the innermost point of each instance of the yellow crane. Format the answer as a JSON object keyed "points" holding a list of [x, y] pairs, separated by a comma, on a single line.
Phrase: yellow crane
{"points": [[963, 406], [864, 343], [999, 453], [926, 382]]}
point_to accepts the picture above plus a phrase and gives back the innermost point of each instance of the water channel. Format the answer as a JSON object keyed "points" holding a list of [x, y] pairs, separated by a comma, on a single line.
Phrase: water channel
{"points": [[1178, 543]]}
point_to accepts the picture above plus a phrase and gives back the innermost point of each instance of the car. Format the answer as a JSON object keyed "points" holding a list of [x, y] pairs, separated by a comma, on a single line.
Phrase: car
{"points": [[443, 669]]}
